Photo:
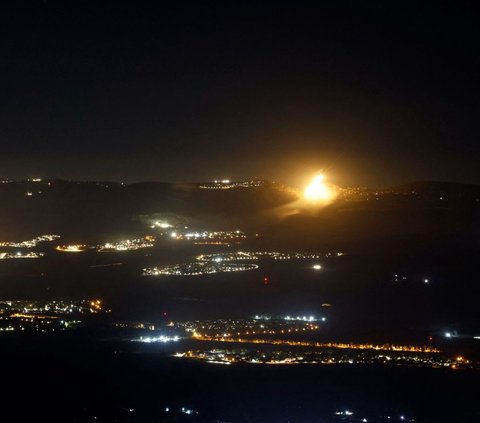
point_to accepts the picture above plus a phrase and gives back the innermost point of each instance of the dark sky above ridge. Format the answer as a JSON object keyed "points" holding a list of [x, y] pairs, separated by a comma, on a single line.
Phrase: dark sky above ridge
{"points": [[374, 93]]}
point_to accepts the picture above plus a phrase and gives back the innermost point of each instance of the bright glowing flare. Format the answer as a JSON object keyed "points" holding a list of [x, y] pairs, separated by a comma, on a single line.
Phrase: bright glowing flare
{"points": [[317, 190]]}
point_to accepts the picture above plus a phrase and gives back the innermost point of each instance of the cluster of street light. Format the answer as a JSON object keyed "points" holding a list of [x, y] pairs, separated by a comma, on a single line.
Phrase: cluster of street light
{"points": [[45, 316], [208, 235], [123, 245], [228, 184], [198, 268], [20, 255], [232, 262], [328, 356], [29, 243]]}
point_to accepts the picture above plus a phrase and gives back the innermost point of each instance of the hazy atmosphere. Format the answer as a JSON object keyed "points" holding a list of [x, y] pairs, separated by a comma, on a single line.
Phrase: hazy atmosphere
{"points": [[375, 93]]}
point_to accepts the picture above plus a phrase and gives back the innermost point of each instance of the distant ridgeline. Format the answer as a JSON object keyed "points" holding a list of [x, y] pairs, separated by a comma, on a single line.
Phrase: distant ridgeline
{"points": [[443, 194], [96, 210]]}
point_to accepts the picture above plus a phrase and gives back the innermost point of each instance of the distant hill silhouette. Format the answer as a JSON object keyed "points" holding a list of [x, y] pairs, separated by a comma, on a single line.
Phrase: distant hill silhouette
{"points": [[93, 210]]}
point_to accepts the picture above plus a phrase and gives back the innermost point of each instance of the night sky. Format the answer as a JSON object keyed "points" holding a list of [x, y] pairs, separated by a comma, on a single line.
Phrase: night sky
{"points": [[374, 93]]}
